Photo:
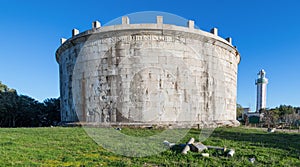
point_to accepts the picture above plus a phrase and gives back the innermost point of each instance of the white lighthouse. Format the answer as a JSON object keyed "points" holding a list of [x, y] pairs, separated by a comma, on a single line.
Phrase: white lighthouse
{"points": [[261, 83]]}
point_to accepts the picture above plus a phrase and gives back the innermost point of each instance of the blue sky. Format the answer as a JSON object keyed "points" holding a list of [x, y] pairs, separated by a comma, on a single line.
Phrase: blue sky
{"points": [[266, 33]]}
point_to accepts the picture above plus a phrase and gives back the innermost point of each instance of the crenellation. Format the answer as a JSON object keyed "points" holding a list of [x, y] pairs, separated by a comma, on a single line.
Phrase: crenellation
{"points": [[214, 31], [159, 25], [96, 24], [229, 40], [191, 24], [62, 40], [159, 20], [75, 32], [125, 20]]}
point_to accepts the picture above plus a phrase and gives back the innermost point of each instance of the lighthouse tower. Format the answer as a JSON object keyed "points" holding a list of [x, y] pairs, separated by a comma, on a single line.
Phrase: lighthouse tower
{"points": [[261, 83]]}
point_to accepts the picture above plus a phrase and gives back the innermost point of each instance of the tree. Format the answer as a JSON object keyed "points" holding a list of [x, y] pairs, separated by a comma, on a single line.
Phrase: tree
{"points": [[270, 116], [286, 109], [286, 114], [239, 110], [24, 111], [9, 111], [52, 111], [3, 88], [28, 108]]}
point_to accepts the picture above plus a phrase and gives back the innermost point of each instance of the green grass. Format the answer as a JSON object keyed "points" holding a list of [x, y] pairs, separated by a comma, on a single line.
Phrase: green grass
{"points": [[73, 147]]}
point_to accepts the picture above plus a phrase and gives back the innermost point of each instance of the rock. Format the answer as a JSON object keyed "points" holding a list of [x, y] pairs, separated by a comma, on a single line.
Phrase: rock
{"points": [[230, 153], [271, 130], [204, 154], [192, 140], [197, 147], [187, 147], [217, 148], [168, 144], [252, 160]]}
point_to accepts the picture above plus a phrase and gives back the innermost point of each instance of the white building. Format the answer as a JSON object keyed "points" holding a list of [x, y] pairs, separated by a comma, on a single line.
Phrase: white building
{"points": [[261, 83]]}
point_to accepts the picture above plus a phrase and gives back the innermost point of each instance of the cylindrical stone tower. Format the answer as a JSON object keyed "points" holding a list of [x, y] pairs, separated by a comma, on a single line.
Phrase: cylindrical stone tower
{"points": [[140, 74]]}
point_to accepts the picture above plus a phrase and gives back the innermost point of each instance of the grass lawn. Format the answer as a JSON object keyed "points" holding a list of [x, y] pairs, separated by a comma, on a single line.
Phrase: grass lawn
{"points": [[73, 147]]}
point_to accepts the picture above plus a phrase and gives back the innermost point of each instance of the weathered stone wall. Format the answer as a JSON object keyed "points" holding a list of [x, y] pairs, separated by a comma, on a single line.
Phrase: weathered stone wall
{"points": [[148, 73]]}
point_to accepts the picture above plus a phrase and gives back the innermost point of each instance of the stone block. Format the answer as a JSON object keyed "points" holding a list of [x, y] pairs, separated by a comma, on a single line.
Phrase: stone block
{"points": [[214, 31], [125, 20], [187, 146], [75, 32], [159, 20], [230, 153], [191, 24], [205, 154], [62, 40], [96, 24], [229, 40]]}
